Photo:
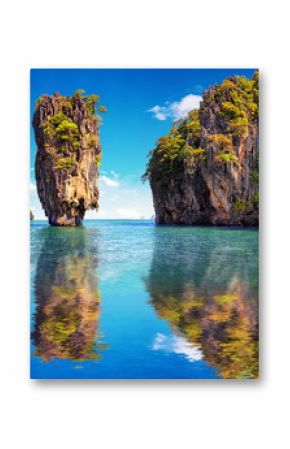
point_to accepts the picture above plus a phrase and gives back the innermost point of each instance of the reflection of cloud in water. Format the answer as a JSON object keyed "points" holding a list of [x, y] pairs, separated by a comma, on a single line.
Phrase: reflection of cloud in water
{"points": [[177, 345]]}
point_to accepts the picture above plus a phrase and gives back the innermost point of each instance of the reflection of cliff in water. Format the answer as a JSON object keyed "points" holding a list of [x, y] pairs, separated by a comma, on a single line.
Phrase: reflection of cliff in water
{"points": [[207, 291], [66, 295]]}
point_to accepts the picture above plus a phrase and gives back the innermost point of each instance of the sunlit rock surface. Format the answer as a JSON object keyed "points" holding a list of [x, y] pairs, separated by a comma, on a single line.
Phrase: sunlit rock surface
{"points": [[206, 170], [68, 156]]}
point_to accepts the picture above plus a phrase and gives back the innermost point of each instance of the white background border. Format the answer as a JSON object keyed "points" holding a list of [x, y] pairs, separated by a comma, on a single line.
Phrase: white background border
{"points": [[134, 414]]}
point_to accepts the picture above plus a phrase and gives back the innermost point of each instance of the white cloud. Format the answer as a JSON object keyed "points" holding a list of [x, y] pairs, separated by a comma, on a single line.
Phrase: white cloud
{"points": [[129, 213], [178, 109], [131, 199], [109, 182], [119, 197], [160, 112], [181, 108], [114, 174], [177, 345]]}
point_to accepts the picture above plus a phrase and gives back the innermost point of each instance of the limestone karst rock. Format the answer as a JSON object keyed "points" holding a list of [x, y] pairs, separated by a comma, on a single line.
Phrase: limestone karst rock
{"points": [[214, 311], [206, 170], [68, 156]]}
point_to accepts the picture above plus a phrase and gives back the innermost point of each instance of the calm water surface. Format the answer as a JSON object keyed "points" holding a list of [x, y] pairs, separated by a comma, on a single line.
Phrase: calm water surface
{"points": [[127, 299]]}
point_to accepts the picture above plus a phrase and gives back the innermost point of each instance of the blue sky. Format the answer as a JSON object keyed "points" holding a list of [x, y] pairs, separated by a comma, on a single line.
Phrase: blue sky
{"points": [[142, 104]]}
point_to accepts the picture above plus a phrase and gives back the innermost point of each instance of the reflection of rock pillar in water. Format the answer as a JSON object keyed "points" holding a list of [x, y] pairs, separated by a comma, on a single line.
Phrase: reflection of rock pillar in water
{"points": [[215, 310], [230, 333], [67, 299]]}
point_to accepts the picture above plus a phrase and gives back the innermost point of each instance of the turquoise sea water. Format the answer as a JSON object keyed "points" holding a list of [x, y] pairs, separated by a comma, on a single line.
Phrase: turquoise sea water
{"points": [[128, 299]]}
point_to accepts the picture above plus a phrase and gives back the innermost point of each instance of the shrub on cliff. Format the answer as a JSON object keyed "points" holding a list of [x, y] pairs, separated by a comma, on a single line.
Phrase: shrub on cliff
{"points": [[177, 150], [61, 132], [64, 162]]}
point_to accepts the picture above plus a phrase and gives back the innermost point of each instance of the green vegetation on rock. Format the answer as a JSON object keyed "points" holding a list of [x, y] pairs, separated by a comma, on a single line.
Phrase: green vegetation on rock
{"points": [[177, 151], [65, 162], [98, 160], [61, 132], [255, 199], [223, 142], [227, 157], [241, 205], [239, 103], [254, 173]]}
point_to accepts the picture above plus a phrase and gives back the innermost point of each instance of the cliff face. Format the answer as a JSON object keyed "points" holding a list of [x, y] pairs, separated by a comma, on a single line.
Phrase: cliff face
{"points": [[68, 155], [206, 170]]}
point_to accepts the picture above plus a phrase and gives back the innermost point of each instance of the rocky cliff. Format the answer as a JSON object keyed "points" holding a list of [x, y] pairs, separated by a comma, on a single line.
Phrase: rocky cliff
{"points": [[206, 170], [68, 156]]}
